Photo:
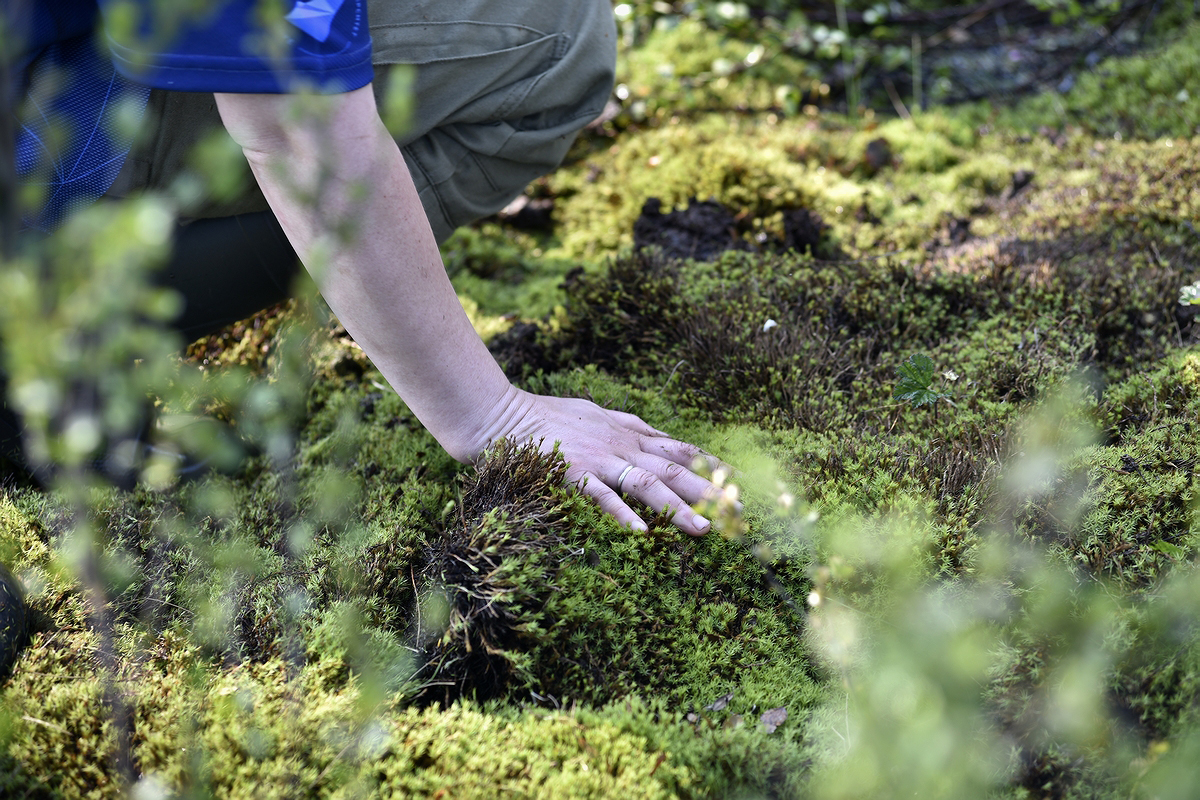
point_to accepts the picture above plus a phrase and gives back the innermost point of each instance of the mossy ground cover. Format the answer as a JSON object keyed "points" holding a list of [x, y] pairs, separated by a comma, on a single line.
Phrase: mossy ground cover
{"points": [[993, 594]]}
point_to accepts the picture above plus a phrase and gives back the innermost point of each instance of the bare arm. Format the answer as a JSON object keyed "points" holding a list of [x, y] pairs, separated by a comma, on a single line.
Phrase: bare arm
{"points": [[341, 189]]}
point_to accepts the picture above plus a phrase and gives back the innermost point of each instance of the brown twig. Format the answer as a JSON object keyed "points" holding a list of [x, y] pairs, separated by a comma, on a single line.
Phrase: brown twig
{"points": [[897, 103]]}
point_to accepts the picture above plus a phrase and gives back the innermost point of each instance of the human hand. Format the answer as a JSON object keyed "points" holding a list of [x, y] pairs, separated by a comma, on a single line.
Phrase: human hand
{"points": [[612, 455]]}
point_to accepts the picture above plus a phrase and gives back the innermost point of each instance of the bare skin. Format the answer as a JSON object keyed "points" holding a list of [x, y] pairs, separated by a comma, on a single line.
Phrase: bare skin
{"points": [[390, 290]]}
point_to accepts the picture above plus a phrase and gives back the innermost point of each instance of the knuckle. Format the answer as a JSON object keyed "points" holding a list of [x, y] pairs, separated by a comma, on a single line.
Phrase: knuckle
{"points": [[673, 472], [643, 480]]}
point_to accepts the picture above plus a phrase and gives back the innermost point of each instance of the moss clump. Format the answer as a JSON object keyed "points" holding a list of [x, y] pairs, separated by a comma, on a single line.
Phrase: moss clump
{"points": [[513, 544], [61, 738], [811, 343], [492, 568], [760, 168], [267, 730], [555, 754], [684, 66]]}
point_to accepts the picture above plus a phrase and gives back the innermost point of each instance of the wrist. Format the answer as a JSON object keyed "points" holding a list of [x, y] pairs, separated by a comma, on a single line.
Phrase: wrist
{"points": [[468, 438]]}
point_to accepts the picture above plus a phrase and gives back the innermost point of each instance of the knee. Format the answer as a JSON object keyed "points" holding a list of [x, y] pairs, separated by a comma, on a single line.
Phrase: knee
{"points": [[503, 105]]}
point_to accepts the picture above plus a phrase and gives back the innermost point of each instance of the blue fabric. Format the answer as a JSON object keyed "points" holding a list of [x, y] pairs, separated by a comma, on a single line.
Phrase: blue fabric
{"points": [[322, 44], [32, 26], [68, 143]]}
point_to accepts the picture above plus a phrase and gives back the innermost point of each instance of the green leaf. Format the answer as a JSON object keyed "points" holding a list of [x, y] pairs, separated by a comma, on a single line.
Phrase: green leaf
{"points": [[915, 375], [921, 397], [1168, 549]]}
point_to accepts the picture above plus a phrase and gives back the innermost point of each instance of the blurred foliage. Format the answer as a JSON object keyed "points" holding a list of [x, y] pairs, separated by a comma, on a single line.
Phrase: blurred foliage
{"points": [[1136, 97]]}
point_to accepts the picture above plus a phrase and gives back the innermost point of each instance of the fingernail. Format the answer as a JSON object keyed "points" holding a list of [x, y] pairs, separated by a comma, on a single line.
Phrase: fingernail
{"points": [[701, 523], [639, 526]]}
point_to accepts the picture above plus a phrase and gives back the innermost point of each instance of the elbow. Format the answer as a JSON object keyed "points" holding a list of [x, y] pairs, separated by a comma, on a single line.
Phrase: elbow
{"points": [[256, 122]]}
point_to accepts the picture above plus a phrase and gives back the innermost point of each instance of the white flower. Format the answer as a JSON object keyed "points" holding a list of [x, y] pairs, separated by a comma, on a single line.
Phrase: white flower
{"points": [[1190, 295]]}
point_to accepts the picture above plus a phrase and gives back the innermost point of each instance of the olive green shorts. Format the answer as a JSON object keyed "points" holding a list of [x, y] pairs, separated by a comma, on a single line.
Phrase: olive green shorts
{"points": [[501, 89]]}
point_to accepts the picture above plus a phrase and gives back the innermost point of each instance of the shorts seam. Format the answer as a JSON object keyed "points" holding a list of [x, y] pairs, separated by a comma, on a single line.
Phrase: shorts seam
{"points": [[483, 171], [518, 97], [539, 36], [475, 22], [416, 159]]}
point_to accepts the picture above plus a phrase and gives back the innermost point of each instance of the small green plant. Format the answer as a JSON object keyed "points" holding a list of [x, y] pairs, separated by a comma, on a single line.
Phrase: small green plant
{"points": [[915, 382]]}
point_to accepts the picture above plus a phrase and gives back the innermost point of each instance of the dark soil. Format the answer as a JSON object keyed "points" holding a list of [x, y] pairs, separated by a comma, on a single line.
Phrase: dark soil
{"points": [[704, 230]]}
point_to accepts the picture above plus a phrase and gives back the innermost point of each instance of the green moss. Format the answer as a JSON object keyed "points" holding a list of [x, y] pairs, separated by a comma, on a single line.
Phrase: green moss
{"points": [[553, 754], [256, 731], [676, 163], [60, 736], [760, 167], [504, 273], [22, 541]]}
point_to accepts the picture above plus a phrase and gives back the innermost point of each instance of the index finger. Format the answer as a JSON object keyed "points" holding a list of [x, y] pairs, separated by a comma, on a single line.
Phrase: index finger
{"points": [[679, 452]]}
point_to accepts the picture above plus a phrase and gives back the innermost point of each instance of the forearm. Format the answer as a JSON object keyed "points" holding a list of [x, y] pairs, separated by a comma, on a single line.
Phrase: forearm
{"points": [[345, 199]]}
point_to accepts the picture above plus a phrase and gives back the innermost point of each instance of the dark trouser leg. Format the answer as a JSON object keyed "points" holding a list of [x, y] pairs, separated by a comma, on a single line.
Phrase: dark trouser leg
{"points": [[10, 434], [502, 88], [227, 269]]}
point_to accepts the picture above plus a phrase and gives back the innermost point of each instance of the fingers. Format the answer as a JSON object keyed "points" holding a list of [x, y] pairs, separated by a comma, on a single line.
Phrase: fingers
{"points": [[676, 451], [660, 485], [635, 423], [616, 457], [682, 481], [611, 503], [661, 477], [659, 492]]}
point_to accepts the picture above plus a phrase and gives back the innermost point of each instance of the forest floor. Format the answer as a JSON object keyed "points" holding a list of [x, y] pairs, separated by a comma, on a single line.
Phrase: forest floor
{"points": [[949, 351]]}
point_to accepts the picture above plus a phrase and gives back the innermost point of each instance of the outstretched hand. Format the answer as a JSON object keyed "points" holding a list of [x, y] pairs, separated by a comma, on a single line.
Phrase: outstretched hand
{"points": [[613, 455]]}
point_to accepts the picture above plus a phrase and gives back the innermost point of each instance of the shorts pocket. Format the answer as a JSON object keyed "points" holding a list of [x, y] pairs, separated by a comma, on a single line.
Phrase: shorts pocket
{"points": [[468, 71]]}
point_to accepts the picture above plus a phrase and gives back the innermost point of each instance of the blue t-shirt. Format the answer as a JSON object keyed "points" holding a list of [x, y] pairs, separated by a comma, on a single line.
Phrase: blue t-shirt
{"points": [[234, 45], [77, 89]]}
